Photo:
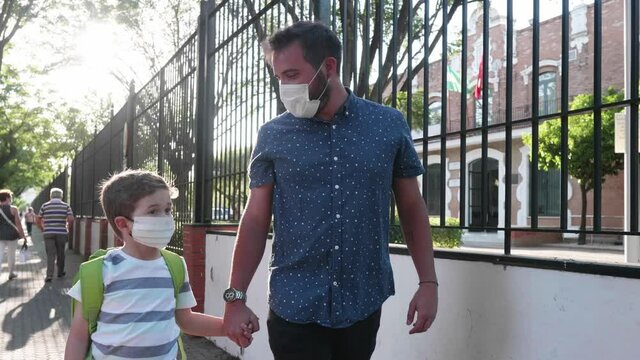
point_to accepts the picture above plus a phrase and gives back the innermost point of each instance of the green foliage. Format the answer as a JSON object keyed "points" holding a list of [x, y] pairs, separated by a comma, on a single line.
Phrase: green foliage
{"points": [[443, 237], [417, 108], [580, 164], [580, 143], [22, 131], [35, 141]]}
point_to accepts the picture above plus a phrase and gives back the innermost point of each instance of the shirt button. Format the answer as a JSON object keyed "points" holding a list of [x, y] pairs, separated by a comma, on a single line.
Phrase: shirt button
{"points": [[337, 247], [337, 216], [337, 186], [335, 158], [346, 113], [334, 126], [335, 283]]}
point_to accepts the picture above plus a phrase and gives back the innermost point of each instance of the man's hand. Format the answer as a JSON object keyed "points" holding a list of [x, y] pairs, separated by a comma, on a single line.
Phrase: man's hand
{"points": [[425, 303], [239, 320]]}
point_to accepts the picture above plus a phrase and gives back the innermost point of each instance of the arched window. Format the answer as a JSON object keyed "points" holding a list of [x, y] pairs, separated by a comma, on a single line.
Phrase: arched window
{"points": [[547, 93]]}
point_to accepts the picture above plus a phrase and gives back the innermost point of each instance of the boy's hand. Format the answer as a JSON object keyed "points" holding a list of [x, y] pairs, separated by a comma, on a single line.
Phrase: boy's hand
{"points": [[247, 331], [237, 315]]}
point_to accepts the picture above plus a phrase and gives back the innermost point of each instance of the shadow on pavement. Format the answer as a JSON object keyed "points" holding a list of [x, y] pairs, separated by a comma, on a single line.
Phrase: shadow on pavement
{"points": [[47, 307]]}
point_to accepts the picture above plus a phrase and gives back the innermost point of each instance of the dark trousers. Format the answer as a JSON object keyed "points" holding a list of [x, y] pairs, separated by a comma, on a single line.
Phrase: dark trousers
{"points": [[29, 228], [54, 245], [291, 341]]}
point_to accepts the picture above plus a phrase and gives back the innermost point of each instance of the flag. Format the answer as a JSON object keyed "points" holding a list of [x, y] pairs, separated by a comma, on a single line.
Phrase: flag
{"points": [[453, 80], [478, 91]]}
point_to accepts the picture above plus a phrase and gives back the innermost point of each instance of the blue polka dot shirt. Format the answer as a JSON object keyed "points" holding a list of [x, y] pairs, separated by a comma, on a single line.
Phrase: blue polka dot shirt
{"points": [[332, 188]]}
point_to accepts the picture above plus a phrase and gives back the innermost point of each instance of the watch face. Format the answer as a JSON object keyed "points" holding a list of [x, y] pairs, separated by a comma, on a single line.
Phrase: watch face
{"points": [[229, 295]]}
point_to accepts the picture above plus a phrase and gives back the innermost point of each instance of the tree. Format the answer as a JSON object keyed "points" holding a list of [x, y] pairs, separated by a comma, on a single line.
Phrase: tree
{"points": [[21, 129], [580, 146], [35, 141], [398, 52], [157, 29], [13, 16]]}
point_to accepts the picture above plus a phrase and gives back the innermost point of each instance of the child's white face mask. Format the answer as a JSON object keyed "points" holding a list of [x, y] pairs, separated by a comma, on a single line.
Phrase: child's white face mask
{"points": [[153, 231]]}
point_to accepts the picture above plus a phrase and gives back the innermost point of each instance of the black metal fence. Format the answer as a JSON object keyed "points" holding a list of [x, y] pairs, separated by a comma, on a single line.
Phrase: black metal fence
{"points": [[196, 120], [60, 182]]}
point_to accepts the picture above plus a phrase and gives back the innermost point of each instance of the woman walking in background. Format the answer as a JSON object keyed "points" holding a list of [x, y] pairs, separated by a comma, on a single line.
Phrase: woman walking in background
{"points": [[10, 230]]}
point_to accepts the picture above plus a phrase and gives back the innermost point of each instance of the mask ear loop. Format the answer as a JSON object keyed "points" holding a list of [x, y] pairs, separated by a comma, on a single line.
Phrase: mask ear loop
{"points": [[325, 86], [323, 90]]}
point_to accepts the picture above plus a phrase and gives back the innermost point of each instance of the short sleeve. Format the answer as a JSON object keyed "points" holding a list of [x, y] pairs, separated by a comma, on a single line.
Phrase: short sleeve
{"points": [[185, 299], [69, 212], [261, 169], [407, 163], [75, 292]]}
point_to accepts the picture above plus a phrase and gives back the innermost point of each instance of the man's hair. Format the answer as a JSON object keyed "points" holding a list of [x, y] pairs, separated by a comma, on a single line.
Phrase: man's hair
{"points": [[120, 193], [318, 42], [55, 193], [5, 194]]}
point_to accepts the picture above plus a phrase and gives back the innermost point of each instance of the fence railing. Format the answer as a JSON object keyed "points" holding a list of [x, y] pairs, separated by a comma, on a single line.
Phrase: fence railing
{"points": [[195, 121]]}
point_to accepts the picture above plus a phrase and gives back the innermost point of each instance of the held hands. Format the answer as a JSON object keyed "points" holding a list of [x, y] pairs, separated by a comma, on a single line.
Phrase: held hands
{"points": [[240, 323], [425, 303], [247, 332]]}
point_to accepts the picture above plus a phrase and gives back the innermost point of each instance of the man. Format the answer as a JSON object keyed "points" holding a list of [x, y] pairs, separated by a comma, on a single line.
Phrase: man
{"points": [[326, 169], [53, 220], [29, 218]]}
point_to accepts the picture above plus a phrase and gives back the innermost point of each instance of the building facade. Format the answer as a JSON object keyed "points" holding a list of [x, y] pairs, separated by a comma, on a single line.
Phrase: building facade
{"points": [[581, 74]]}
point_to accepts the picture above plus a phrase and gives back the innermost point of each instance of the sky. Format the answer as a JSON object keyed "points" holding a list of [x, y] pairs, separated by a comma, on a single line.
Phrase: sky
{"points": [[100, 49]]}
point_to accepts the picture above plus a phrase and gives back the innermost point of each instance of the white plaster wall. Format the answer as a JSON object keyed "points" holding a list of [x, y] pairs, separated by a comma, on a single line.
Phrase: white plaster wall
{"points": [[219, 249], [81, 227], [111, 237], [485, 312], [95, 236]]}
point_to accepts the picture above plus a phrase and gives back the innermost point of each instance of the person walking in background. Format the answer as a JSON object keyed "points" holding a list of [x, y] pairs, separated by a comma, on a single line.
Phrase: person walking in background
{"points": [[10, 230], [29, 219], [54, 219], [326, 169]]}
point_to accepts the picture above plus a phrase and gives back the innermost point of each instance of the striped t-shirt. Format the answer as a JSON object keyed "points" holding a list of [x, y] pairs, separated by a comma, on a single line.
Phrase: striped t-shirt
{"points": [[54, 215], [137, 317]]}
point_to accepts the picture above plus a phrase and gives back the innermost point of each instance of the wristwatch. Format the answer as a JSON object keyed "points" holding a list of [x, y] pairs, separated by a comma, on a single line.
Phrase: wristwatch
{"points": [[231, 295]]}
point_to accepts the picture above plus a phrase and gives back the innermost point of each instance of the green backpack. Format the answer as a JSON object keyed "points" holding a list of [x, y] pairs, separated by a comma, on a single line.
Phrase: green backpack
{"points": [[92, 295]]}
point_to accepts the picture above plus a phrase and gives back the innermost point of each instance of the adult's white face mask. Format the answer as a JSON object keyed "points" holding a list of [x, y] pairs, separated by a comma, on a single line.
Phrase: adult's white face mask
{"points": [[153, 231], [295, 98]]}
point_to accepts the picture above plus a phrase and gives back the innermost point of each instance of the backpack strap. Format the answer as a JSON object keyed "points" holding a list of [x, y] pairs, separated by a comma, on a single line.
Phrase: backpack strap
{"points": [[176, 270], [92, 290], [87, 274]]}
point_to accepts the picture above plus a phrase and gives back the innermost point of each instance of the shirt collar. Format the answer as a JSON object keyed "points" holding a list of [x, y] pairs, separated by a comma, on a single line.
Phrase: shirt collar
{"points": [[348, 106]]}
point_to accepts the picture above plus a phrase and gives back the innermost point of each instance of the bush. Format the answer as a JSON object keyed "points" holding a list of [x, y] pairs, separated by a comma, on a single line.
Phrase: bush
{"points": [[443, 237]]}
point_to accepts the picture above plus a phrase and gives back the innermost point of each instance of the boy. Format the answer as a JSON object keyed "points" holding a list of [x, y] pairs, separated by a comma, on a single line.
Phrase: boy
{"points": [[139, 317]]}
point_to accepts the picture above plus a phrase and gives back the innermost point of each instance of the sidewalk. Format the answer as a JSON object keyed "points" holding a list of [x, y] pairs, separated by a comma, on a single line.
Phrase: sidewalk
{"points": [[36, 315]]}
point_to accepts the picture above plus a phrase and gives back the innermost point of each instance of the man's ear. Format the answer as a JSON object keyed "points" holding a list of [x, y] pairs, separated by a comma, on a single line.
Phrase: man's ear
{"points": [[331, 65]]}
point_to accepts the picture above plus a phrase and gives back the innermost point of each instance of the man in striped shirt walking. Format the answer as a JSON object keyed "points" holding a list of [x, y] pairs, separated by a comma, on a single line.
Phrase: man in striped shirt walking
{"points": [[54, 219]]}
